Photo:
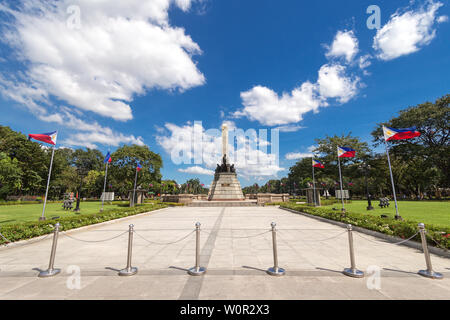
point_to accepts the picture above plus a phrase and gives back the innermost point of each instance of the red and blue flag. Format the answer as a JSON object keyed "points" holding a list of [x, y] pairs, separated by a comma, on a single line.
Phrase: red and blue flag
{"points": [[49, 138], [138, 167], [317, 164], [400, 134], [344, 152], [107, 158]]}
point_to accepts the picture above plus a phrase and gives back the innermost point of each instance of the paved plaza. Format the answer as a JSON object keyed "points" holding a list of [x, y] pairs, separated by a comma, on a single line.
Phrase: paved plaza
{"points": [[236, 249]]}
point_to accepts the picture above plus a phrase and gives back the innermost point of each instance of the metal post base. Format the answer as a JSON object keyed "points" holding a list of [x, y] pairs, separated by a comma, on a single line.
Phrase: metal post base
{"points": [[49, 273], [355, 273], [42, 219], [370, 208], [276, 271], [128, 272], [430, 274], [196, 271], [398, 218]]}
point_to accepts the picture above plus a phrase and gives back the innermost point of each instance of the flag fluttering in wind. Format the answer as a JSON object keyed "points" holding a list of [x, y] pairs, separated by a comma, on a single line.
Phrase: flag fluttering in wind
{"points": [[49, 138], [108, 158], [344, 152], [317, 164], [399, 134], [138, 167]]}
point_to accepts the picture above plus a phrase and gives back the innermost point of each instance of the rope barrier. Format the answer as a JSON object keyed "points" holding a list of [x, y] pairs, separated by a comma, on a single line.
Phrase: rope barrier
{"points": [[94, 241], [320, 240], [165, 243], [395, 243], [244, 237]]}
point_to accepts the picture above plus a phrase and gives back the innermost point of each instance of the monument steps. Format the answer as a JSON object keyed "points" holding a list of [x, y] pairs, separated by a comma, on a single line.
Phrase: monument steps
{"points": [[223, 204]]}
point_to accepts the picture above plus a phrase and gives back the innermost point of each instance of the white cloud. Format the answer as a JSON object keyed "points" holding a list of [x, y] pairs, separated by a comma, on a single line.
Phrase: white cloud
{"points": [[248, 159], [118, 50], [364, 61], [197, 170], [345, 44], [406, 33], [442, 19], [290, 128], [297, 155], [268, 108], [333, 83]]}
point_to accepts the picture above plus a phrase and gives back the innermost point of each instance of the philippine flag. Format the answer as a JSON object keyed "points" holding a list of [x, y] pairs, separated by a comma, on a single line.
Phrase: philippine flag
{"points": [[400, 134], [107, 158], [344, 152], [317, 164], [139, 167], [49, 138]]}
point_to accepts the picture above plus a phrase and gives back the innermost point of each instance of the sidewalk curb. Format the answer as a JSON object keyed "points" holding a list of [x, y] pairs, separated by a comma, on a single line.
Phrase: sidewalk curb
{"points": [[410, 243], [74, 230]]}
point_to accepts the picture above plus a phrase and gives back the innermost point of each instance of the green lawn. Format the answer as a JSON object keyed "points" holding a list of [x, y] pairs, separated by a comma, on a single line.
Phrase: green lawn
{"points": [[31, 212], [428, 212]]}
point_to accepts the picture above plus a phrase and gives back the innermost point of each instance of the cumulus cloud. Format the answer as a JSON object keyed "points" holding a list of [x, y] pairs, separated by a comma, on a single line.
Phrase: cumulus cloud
{"points": [[345, 44], [197, 170], [98, 55], [407, 32], [192, 144], [268, 108], [300, 155]]}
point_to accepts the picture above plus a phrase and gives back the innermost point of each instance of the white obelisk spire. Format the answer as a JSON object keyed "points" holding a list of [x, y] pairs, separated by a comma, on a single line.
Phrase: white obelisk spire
{"points": [[225, 141]]}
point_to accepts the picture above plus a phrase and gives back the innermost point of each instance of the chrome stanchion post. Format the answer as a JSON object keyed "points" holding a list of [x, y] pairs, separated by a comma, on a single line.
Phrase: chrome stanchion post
{"points": [[129, 270], [275, 270], [352, 271], [429, 273], [197, 270], [51, 271]]}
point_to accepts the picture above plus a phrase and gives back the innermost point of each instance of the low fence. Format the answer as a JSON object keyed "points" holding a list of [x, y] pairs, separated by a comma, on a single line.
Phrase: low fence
{"points": [[198, 270]]}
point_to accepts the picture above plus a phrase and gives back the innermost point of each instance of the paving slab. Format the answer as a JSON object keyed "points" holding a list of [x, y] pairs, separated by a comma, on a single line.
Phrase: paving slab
{"points": [[236, 249]]}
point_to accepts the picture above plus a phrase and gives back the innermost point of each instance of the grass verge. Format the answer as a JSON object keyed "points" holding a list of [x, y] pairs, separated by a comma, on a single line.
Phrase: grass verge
{"points": [[436, 235]]}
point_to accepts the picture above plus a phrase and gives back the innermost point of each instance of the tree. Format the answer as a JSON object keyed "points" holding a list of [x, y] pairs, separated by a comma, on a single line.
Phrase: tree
{"points": [[432, 147], [10, 176], [122, 169]]}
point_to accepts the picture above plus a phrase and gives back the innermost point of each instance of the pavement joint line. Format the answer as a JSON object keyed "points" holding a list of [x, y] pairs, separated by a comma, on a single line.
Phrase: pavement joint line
{"points": [[191, 290]]}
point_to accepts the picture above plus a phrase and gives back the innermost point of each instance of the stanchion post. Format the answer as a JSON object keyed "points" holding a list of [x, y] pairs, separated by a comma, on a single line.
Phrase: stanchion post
{"points": [[429, 273], [129, 270], [197, 270], [51, 271], [275, 270], [352, 271]]}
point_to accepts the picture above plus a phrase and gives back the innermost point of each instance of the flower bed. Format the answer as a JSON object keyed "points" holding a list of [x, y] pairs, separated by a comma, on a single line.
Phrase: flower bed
{"points": [[436, 236], [27, 230]]}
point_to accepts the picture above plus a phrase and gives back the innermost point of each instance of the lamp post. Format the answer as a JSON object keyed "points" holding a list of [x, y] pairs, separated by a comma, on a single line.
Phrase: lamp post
{"points": [[366, 167]]}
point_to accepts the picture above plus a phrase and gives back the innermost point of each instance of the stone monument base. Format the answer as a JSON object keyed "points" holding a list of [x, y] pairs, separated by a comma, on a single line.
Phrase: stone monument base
{"points": [[225, 186]]}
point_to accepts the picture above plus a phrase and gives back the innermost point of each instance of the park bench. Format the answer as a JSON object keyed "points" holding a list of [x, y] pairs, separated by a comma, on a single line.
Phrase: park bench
{"points": [[67, 205], [384, 202]]}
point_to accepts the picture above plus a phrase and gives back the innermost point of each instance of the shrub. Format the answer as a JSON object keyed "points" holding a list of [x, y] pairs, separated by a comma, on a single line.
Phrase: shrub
{"points": [[27, 230], [437, 236]]}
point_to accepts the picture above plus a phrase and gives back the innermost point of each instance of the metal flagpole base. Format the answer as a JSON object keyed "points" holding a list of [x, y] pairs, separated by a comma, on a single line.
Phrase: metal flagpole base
{"points": [[398, 218], [276, 271], [128, 272], [196, 271], [42, 219], [49, 273], [430, 274], [355, 273]]}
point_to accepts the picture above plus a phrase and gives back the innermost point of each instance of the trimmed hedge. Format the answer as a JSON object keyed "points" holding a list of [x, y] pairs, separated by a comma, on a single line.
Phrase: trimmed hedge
{"points": [[389, 226], [27, 230]]}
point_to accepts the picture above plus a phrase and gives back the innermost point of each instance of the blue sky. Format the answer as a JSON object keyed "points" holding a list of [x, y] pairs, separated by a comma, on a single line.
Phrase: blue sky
{"points": [[142, 71]]}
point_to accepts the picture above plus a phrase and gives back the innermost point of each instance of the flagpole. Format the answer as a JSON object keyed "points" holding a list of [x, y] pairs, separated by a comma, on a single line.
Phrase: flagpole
{"points": [[340, 178], [134, 189], [397, 216], [48, 183], [104, 186], [314, 186]]}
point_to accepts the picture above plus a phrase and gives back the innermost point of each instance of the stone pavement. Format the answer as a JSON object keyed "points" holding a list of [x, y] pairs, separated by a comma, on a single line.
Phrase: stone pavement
{"points": [[235, 253]]}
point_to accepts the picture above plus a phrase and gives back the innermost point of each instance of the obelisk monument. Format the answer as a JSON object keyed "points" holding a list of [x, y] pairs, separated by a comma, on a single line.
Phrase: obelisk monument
{"points": [[225, 185]]}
